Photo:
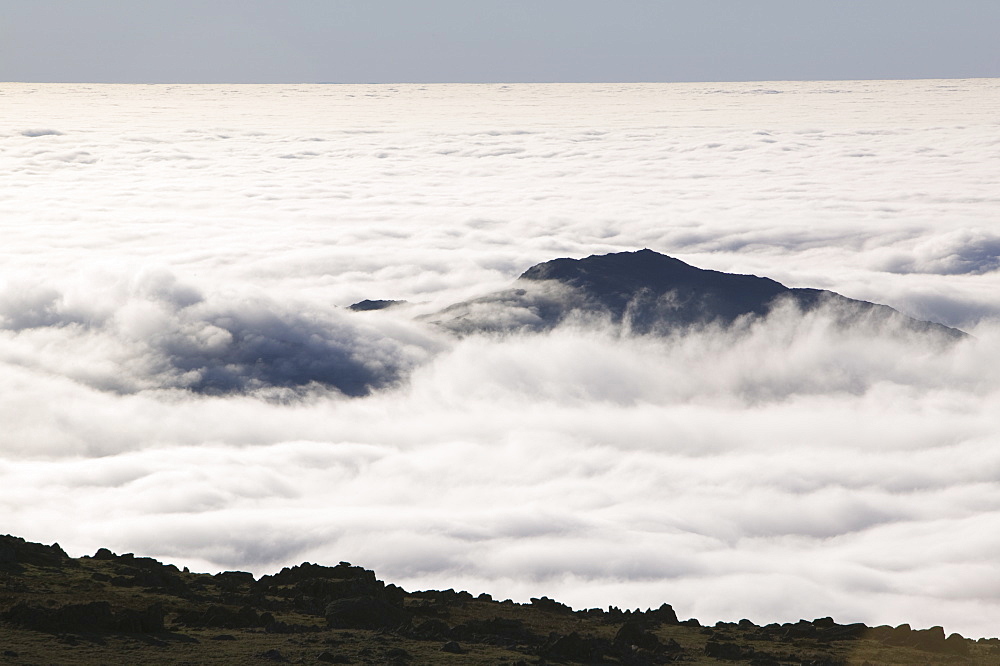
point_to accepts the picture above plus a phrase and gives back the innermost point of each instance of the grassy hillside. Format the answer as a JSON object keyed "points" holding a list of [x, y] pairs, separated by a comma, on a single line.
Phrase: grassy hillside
{"points": [[117, 609]]}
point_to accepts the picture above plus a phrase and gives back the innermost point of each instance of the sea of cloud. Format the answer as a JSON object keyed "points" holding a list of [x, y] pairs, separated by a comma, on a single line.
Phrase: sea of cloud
{"points": [[180, 377]]}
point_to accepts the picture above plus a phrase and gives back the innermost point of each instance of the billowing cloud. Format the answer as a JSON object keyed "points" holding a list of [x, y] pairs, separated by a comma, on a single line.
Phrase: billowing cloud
{"points": [[158, 334], [961, 252], [180, 377]]}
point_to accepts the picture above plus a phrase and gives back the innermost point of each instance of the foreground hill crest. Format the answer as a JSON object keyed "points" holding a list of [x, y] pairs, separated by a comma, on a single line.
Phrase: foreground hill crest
{"points": [[57, 609]]}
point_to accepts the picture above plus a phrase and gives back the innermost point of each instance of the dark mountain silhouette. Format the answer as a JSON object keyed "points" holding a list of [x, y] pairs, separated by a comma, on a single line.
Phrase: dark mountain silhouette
{"points": [[111, 609], [367, 305], [645, 292]]}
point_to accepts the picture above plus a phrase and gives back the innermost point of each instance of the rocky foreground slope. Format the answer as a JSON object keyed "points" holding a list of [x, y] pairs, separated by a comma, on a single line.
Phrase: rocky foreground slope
{"points": [[111, 609]]}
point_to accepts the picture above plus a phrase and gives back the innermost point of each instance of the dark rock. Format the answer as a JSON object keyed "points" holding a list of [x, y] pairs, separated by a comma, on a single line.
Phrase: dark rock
{"points": [[634, 634], [452, 647], [898, 636], [842, 632], [397, 654], [273, 655], [957, 644], [224, 637], [94, 617], [496, 631], [881, 633], [574, 647], [328, 590], [801, 629], [15, 551], [448, 597], [331, 658], [431, 630], [307, 570], [364, 613], [223, 617], [140, 622], [728, 651], [663, 615], [233, 580], [932, 639], [368, 305], [546, 604]]}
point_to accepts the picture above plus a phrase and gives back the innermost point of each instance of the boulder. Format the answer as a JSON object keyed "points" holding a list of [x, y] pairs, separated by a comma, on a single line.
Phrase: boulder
{"points": [[664, 615], [574, 647], [364, 613], [15, 551], [551, 605], [93, 617], [224, 617], [634, 634], [727, 651]]}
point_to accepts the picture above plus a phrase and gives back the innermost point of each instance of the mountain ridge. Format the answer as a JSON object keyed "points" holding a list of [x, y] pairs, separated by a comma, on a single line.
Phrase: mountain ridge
{"points": [[107, 608], [645, 292]]}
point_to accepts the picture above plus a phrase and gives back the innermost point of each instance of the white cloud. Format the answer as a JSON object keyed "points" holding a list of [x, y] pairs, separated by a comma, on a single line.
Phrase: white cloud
{"points": [[788, 469]]}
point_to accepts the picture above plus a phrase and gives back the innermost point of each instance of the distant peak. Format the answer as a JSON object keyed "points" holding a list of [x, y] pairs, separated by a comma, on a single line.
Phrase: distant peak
{"points": [[645, 291]]}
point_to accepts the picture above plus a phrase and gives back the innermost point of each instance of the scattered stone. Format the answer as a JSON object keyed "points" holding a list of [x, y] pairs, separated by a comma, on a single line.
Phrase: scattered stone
{"points": [[364, 613], [95, 617], [729, 651], [574, 647], [223, 617], [352, 598], [330, 658], [496, 631], [431, 630], [273, 655]]}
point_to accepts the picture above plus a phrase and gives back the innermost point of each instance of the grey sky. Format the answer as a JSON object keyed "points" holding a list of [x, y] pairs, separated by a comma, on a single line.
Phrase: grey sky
{"points": [[244, 41]]}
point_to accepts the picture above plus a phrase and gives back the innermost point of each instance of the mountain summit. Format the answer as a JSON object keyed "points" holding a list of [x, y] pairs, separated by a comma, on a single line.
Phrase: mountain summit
{"points": [[646, 292]]}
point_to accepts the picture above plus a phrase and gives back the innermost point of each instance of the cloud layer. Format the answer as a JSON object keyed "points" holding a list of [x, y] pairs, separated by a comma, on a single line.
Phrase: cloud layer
{"points": [[180, 376]]}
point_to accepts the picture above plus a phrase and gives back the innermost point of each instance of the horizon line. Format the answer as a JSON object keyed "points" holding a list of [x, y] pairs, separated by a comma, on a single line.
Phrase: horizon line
{"points": [[546, 82]]}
